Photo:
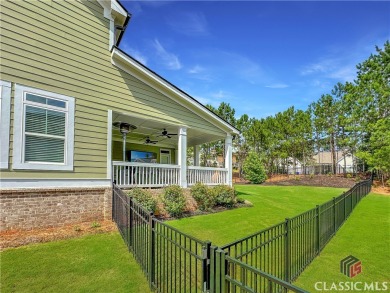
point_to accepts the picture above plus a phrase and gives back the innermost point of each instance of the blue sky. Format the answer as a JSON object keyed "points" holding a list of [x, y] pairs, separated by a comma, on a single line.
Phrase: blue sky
{"points": [[259, 56]]}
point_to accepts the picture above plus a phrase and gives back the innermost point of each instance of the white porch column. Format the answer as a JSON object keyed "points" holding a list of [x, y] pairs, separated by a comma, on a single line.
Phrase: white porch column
{"points": [[197, 155], [182, 155], [228, 159]]}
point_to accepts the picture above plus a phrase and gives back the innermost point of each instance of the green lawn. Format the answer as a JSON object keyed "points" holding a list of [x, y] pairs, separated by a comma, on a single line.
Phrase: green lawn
{"points": [[98, 263], [271, 205], [365, 235], [101, 263]]}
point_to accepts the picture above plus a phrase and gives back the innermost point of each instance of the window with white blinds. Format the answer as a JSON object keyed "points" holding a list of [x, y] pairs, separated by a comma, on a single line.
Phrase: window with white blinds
{"points": [[47, 130]]}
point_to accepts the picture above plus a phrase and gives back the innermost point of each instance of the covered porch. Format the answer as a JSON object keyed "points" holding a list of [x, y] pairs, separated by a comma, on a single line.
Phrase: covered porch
{"points": [[148, 152]]}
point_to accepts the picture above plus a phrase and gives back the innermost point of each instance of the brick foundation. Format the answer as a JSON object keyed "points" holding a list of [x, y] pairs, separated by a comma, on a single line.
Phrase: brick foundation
{"points": [[26, 209]]}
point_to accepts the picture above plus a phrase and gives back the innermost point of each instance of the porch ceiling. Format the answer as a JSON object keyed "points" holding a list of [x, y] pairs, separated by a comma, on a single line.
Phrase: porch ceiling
{"points": [[153, 128]]}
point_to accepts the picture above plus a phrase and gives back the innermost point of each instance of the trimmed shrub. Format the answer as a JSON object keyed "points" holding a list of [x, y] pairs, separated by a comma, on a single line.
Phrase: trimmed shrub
{"points": [[203, 197], [240, 200], [253, 169], [174, 200], [144, 198], [224, 195]]}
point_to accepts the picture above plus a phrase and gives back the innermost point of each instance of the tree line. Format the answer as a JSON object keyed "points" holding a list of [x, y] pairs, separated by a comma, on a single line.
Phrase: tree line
{"points": [[353, 119]]}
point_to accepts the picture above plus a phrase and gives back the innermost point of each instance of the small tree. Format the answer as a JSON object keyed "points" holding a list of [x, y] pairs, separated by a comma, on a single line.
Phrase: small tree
{"points": [[253, 169]]}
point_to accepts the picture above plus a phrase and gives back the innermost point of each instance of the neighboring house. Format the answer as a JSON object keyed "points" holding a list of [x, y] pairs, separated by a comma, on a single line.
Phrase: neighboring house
{"points": [[294, 166], [66, 90], [288, 166], [320, 163], [323, 161]]}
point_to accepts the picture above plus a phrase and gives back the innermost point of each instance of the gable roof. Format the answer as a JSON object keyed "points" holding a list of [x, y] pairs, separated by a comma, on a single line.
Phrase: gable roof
{"points": [[127, 63]]}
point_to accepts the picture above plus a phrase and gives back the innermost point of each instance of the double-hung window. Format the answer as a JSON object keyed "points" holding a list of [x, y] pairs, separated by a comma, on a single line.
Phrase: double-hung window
{"points": [[5, 102], [43, 130]]}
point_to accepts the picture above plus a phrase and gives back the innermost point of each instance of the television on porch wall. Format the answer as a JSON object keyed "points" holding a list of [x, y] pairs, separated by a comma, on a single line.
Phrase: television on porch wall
{"points": [[142, 156]]}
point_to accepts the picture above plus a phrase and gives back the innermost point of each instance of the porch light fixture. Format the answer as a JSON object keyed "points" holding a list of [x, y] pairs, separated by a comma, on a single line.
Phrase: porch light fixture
{"points": [[124, 129]]}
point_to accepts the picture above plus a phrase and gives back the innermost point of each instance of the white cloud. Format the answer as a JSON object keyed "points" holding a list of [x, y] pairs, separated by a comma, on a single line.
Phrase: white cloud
{"points": [[334, 68], [220, 95], [346, 73], [189, 23], [136, 55], [277, 86], [200, 73], [202, 100], [244, 67], [320, 84], [319, 67], [196, 69], [170, 60]]}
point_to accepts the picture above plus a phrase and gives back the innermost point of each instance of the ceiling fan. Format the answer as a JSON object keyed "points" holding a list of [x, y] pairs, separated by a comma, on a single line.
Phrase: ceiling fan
{"points": [[149, 141], [166, 134]]}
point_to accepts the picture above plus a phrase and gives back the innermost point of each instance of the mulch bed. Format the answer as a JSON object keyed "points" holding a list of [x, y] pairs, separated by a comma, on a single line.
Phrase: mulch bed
{"points": [[302, 180], [14, 238], [214, 210]]}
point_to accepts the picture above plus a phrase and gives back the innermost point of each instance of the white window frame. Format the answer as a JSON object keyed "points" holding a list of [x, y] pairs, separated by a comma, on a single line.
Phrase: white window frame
{"points": [[19, 130], [5, 108]]}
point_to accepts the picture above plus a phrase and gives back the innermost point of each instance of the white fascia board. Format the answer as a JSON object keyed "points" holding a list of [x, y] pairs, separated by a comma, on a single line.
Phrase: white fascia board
{"points": [[145, 75], [115, 6], [13, 183], [113, 9]]}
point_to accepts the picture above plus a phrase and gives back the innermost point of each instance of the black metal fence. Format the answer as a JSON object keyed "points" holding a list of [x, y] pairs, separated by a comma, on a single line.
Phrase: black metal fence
{"points": [[171, 260], [266, 261], [286, 249]]}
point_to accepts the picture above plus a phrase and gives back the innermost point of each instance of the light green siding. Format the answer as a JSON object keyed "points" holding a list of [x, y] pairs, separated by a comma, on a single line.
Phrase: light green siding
{"points": [[62, 47]]}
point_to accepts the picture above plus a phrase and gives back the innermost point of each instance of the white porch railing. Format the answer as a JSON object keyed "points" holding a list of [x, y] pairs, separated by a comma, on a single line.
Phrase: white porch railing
{"points": [[206, 175], [130, 174]]}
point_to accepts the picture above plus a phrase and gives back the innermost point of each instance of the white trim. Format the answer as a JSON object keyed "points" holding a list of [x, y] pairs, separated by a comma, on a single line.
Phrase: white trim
{"points": [[113, 11], [135, 164], [5, 94], [111, 40], [182, 148], [229, 159], [109, 144], [207, 168], [141, 73], [107, 8], [170, 155], [19, 116], [112, 6], [197, 155], [53, 183]]}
